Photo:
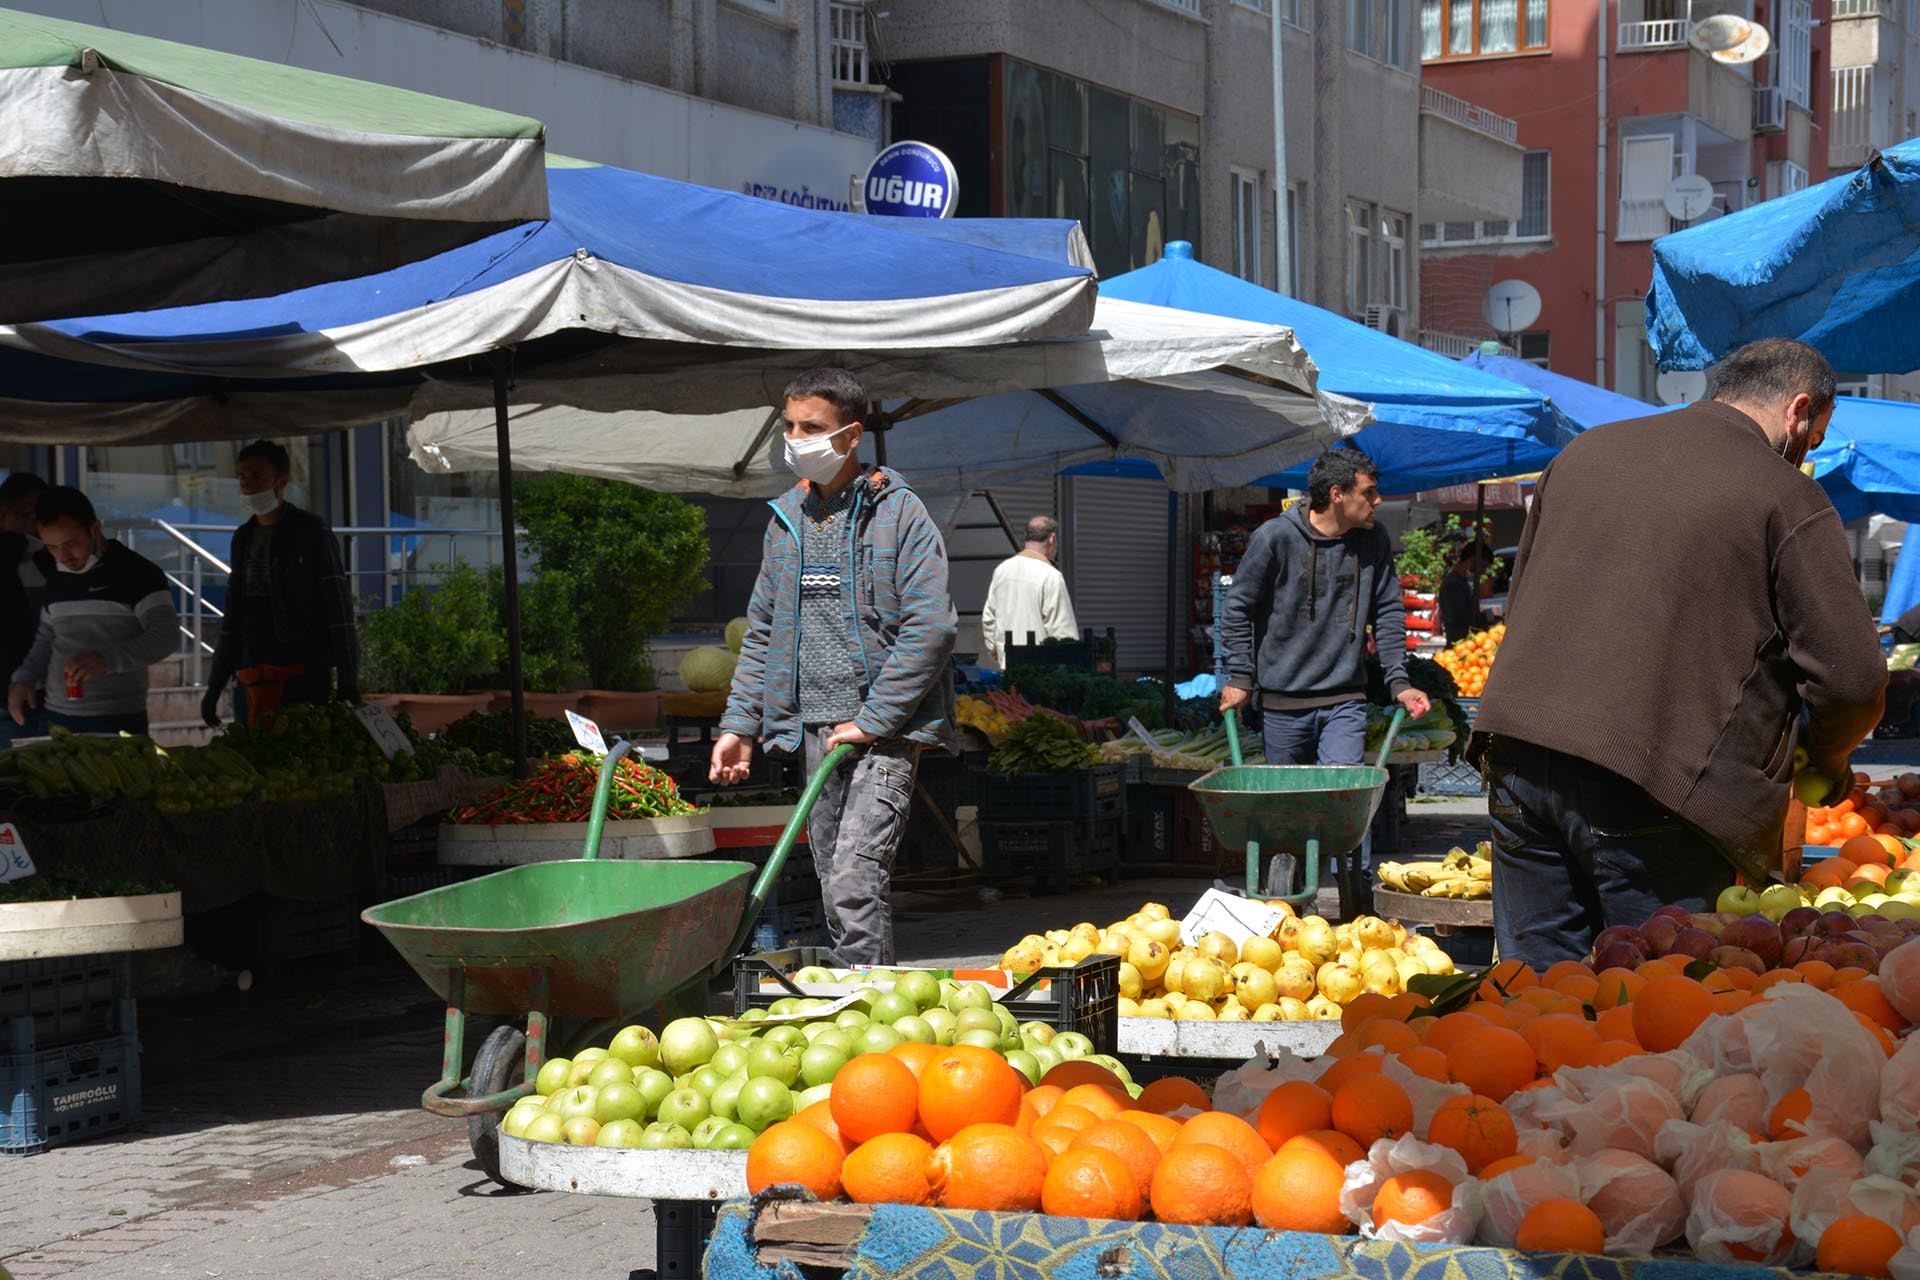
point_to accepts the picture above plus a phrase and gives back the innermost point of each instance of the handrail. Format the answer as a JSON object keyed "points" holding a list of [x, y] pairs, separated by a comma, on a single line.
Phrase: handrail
{"points": [[1469, 114], [174, 532], [213, 609], [1661, 33]]}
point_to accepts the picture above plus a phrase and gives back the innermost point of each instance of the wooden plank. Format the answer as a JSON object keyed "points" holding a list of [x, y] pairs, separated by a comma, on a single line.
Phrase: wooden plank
{"points": [[816, 1235], [1459, 913]]}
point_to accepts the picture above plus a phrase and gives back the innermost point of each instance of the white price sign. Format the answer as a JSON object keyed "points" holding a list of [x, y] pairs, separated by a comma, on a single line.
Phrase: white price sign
{"points": [[587, 733], [386, 734], [14, 862], [1229, 913]]}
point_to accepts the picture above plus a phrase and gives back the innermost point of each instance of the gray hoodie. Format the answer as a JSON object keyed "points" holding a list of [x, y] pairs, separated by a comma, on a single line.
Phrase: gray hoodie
{"points": [[1296, 617]]}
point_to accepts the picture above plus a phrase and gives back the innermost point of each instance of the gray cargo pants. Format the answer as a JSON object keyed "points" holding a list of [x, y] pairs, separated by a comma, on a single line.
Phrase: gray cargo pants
{"points": [[854, 831]]}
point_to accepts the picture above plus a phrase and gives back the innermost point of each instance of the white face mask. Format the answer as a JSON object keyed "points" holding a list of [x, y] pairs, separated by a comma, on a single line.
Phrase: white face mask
{"points": [[814, 458], [263, 503], [92, 560]]}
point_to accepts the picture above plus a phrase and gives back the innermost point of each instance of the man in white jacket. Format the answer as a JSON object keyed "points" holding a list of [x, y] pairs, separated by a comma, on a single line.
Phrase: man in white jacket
{"points": [[1028, 595]]}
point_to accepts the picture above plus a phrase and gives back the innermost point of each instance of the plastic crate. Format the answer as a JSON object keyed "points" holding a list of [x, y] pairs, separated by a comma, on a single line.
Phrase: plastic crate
{"points": [[1455, 780], [68, 1093], [1150, 827], [415, 845], [1052, 854], [47, 1003], [262, 933], [682, 1229], [404, 884], [1098, 791]]}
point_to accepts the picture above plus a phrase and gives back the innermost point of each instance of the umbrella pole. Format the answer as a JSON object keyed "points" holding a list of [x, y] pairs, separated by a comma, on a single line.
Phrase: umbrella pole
{"points": [[510, 554], [1173, 573]]}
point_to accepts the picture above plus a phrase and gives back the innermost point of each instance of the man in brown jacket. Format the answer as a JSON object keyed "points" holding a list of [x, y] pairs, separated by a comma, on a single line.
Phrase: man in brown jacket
{"points": [[1681, 596]]}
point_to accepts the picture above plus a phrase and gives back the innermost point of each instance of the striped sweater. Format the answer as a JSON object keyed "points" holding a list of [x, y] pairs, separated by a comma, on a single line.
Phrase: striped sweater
{"points": [[120, 609]]}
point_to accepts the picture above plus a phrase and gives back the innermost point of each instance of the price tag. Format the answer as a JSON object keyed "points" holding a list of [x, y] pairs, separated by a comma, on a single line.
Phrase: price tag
{"points": [[14, 862], [587, 733], [1229, 913], [385, 733], [1141, 732]]}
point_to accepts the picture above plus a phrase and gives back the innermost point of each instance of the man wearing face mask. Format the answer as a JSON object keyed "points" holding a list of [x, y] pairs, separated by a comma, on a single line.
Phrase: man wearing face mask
{"points": [[106, 616], [20, 584], [850, 630], [1683, 601], [289, 626]]}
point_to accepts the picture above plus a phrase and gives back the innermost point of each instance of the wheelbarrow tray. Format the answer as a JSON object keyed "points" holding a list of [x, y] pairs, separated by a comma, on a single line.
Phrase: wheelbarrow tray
{"points": [[612, 938], [1282, 806]]}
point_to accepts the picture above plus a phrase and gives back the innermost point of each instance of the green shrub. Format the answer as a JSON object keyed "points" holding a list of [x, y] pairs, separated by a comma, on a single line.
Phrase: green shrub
{"points": [[444, 639]]}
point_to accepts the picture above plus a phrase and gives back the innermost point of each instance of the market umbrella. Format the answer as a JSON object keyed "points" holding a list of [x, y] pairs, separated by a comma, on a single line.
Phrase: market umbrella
{"points": [[1581, 403], [141, 172], [1836, 265]]}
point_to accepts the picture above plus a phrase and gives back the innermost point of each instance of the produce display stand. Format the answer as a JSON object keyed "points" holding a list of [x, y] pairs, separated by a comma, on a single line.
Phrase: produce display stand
{"points": [[1157, 1047], [90, 926], [515, 844]]}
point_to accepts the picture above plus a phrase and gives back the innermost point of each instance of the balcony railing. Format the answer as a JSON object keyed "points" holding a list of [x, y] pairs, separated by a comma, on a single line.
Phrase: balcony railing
{"points": [[1863, 9], [1456, 346], [1853, 121], [1462, 112], [1180, 6], [847, 42], [1666, 33]]}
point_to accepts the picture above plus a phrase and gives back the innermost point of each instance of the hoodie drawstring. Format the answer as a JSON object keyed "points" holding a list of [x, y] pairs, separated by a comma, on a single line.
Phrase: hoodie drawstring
{"points": [[1313, 577], [1356, 597]]}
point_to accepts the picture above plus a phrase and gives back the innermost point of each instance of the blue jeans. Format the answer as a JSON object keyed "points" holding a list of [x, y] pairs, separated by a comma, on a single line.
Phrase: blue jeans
{"points": [[1577, 849], [1322, 735], [130, 722]]}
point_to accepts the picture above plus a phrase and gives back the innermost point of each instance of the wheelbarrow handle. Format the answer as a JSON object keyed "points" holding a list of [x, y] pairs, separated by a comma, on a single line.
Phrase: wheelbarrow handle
{"points": [[1393, 730], [776, 861], [597, 819], [1233, 735]]}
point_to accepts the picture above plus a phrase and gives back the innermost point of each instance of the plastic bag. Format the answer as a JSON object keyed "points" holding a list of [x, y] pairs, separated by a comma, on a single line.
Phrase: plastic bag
{"points": [[1800, 1037], [1544, 1108], [1787, 1163], [1243, 1089], [1692, 1151], [1895, 1152], [1426, 1095], [1549, 1145], [1739, 1099], [1734, 1209], [1389, 1157], [1636, 1200], [1628, 1116], [1505, 1200], [1825, 1196], [1905, 1265], [1900, 1083], [1678, 1072]]}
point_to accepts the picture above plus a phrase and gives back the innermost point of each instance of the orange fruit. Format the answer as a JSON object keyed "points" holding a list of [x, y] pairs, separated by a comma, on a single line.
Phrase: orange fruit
{"points": [[1559, 1040], [1608, 1052], [1230, 1133], [1498, 1167], [1580, 988], [967, 1085], [799, 1153], [1079, 1071], [1561, 970], [889, 1169], [915, 1055], [1617, 1024], [820, 1116], [1560, 1226], [1661, 968], [1426, 1061], [1477, 1127], [1091, 1182], [1362, 1008], [1495, 1062], [1788, 1117], [1818, 973], [1864, 851], [988, 1166], [1616, 987], [1411, 1198], [1857, 1245], [1349, 1068], [1865, 996], [1885, 1037], [1292, 1109], [1164, 1130], [1873, 874], [1044, 1097], [1299, 1190], [875, 1094], [1372, 1108], [1774, 977], [1097, 1098], [1130, 1143], [1495, 1015], [1393, 1037], [1850, 974], [1668, 1011], [1061, 1126], [1172, 1092], [1509, 977], [1331, 1142], [1202, 1185], [1450, 1029]]}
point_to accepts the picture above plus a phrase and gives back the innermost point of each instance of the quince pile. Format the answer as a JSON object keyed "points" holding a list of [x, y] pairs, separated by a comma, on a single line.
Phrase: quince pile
{"points": [[1308, 969]]}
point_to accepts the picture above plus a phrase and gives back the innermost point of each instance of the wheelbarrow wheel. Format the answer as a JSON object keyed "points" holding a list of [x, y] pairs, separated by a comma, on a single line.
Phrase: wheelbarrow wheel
{"points": [[500, 1064]]}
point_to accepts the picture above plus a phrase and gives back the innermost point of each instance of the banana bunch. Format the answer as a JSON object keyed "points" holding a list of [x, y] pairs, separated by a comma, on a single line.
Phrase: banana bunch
{"points": [[1458, 875]]}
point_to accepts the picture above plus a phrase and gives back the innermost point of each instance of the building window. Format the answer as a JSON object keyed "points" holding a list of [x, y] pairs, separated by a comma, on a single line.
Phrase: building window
{"points": [[1359, 258], [1246, 224], [1360, 26], [1470, 28], [1792, 55], [1393, 247], [1784, 177], [1536, 197], [1532, 347], [1295, 203], [1396, 54], [1646, 167]]}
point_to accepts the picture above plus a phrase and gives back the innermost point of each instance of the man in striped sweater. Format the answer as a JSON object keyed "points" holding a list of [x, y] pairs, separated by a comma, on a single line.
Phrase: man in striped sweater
{"points": [[106, 616]]}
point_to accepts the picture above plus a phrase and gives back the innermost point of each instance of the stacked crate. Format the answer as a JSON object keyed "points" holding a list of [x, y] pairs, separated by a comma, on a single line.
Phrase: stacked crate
{"points": [[72, 1066]]}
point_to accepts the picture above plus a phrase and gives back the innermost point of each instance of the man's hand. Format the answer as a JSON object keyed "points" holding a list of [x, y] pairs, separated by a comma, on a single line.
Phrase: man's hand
{"points": [[732, 759], [86, 665], [21, 698], [210, 709], [1232, 699], [849, 732], [1416, 703]]}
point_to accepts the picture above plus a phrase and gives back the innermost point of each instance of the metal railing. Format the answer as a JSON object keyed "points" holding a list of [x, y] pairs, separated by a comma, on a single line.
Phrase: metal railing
{"points": [[1462, 112], [1863, 9], [1455, 346], [1180, 6], [847, 42], [1664, 33], [1643, 218], [1852, 123]]}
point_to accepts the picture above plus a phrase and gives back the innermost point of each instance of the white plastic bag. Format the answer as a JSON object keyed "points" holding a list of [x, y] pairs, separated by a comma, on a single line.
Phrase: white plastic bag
{"points": [[1628, 1116], [1243, 1089], [1548, 1145], [1900, 1082], [1426, 1095], [1733, 1209], [1788, 1163], [1391, 1156], [1825, 1196], [1895, 1152], [1799, 1037], [1678, 1072], [1548, 1107], [1505, 1200], [1740, 1099], [1692, 1151], [1636, 1200]]}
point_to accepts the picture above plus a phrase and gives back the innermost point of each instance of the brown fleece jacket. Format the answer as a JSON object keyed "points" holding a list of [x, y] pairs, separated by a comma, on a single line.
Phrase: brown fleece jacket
{"points": [[1681, 593]]}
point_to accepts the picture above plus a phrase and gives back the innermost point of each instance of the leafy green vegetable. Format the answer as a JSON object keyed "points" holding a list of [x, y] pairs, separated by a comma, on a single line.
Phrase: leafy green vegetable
{"points": [[55, 886], [1042, 744], [492, 731], [1089, 695]]}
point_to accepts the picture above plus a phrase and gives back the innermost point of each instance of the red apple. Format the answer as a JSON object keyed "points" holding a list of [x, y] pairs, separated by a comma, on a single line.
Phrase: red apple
{"points": [[1842, 955], [1756, 934], [1737, 958], [1660, 933], [1694, 944], [1799, 922], [1835, 922], [1806, 947], [1619, 955], [1678, 914], [1622, 933]]}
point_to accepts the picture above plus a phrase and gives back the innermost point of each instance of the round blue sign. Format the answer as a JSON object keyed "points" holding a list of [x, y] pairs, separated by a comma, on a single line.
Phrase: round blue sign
{"points": [[912, 180]]}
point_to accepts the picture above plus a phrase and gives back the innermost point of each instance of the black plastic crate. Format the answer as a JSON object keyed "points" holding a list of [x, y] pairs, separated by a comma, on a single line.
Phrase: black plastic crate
{"points": [[65, 1000], [1150, 826], [1052, 854], [681, 1230], [1098, 791], [1455, 780], [68, 1093], [416, 845], [404, 884], [263, 933]]}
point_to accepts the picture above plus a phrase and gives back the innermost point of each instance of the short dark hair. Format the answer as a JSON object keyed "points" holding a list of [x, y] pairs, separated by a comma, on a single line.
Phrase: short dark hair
{"points": [[1040, 528], [61, 502], [836, 386], [1336, 469], [1772, 370], [21, 486], [267, 451]]}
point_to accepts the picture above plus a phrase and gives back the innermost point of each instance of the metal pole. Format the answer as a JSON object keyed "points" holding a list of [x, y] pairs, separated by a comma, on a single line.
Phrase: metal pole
{"points": [[509, 554], [1173, 578], [1282, 258], [1600, 202]]}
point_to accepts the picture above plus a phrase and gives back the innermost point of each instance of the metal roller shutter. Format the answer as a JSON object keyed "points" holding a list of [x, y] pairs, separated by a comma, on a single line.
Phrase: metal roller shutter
{"points": [[976, 543], [1117, 564]]}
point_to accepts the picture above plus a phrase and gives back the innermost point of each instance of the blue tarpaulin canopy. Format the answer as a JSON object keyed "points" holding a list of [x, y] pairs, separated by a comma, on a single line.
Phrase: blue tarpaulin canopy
{"points": [[1869, 463], [1583, 403], [1836, 266], [1436, 421]]}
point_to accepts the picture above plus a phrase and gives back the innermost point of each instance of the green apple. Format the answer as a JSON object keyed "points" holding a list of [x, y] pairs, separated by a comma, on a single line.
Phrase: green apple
{"points": [[1811, 787], [851, 1019], [706, 1080], [625, 1134], [1009, 1025], [684, 1107], [827, 1035], [783, 1006], [764, 1102], [782, 1064], [735, 1137], [1037, 1033], [610, 1071], [581, 1131], [686, 1045], [807, 1097], [1026, 1064], [892, 1006], [943, 1022], [519, 1116], [703, 1133], [920, 987], [820, 1063], [545, 1127], [619, 1102], [731, 1060], [968, 995], [553, 1076], [1833, 899], [786, 1035], [877, 1037], [914, 1027], [980, 1039], [1071, 1044], [654, 1085], [635, 1046], [1046, 1055], [727, 1097], [754, 1015], [812, 975], [1778, 899], [591, 1055], [665, 1137], [1112, 1064], [575, 1102], [976, 1020], [1739, 899]]}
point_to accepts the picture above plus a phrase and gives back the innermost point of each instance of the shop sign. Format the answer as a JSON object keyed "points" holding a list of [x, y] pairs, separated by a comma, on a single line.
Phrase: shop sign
{"points": [[911, 180]]}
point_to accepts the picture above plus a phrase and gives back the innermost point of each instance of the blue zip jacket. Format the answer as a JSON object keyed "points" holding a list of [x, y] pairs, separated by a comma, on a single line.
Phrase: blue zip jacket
{"points": [[902, 610]]}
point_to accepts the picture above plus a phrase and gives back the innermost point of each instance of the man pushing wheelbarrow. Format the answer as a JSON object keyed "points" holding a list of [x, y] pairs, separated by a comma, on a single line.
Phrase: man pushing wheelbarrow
{"points": [[850, 628]]}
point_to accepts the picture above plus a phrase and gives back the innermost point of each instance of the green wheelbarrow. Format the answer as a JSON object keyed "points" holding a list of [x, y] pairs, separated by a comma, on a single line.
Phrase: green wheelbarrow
{"points": [[595, 942]]}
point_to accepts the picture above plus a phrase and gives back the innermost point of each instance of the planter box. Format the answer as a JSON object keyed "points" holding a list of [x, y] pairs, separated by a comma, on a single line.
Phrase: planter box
{"points": [[616, 711], [554, 706], [89, 926], [772, 817], [432, 712], [513, 844]]}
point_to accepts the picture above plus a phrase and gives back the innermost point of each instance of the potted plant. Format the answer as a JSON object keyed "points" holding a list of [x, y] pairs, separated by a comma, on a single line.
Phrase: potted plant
{"points": [[552, 671], [626, 560], [430, 650]]}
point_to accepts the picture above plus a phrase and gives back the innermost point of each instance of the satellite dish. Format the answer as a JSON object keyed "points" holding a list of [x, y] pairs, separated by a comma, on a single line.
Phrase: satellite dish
{"points": [[1688, 196], [1729, 38], [1681, 386], [1511, 305]]}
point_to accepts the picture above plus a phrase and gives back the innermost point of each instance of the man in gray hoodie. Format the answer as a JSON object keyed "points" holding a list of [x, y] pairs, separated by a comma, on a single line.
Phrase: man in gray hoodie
{"points": [[1295, 625]]}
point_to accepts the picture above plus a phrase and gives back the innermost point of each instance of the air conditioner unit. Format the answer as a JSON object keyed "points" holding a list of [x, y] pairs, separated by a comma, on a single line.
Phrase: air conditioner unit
{"points": [[1388, 320], [1769, 108]]}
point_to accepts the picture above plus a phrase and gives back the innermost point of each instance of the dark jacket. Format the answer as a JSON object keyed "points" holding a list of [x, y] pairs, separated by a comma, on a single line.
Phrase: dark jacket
{"points": [[311, 597], [902, 611], [1681, 594], [1296, 618], [19, 609]]}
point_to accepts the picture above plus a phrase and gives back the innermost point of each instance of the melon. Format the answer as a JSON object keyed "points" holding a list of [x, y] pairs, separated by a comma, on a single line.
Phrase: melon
{"points": [[707, 669]]}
